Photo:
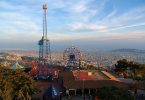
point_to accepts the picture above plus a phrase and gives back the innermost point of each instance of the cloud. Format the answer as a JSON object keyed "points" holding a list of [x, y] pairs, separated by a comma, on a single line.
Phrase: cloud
{"points": [[111, 22], [130, 16], [122, 36], [86, 27], [126, 26], [15, 24], [78, 7], [78, 10]]}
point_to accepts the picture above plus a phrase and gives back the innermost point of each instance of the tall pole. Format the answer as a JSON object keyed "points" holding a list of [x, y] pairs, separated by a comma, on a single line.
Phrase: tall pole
{"points": [[44, 21], [44, 32], [46, 42]]}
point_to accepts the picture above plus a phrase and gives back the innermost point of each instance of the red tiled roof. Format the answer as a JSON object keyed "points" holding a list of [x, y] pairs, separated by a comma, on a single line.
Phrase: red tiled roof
{"points": [[70, 82]]}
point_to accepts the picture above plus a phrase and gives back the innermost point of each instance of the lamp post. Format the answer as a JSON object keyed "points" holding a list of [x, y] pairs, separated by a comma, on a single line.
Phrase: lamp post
{"points": [[84, 89]]}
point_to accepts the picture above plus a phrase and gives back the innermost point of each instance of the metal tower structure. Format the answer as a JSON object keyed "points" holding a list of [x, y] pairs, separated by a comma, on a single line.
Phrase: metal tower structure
{"points": [[44, 48], [44, 43], [41, 69]]}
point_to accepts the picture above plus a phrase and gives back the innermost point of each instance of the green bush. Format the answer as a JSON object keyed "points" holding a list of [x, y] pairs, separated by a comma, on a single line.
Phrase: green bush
{"points": [[114, 93]]}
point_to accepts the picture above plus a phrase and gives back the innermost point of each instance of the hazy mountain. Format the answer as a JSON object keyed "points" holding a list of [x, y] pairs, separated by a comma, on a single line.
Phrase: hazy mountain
{"points": [[129, 50]]}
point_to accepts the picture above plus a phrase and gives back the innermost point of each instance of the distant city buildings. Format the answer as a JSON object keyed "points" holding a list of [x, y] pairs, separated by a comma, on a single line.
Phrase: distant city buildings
{"points": [[105, 60]]}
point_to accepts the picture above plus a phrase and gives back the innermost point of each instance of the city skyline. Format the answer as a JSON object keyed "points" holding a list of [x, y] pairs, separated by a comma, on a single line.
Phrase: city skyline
{"points": [[89, 24]]}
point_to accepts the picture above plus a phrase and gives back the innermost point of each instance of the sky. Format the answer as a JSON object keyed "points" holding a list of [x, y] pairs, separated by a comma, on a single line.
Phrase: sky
{"points": [[88, 24]]}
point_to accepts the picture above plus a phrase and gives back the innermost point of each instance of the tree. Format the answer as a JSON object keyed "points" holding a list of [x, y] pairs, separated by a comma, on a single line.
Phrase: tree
{"points": [[91, 67], [141, 71], [121, 65], [136, 70], [1, 65], [114, 93], [133, 67], [15, 84]]}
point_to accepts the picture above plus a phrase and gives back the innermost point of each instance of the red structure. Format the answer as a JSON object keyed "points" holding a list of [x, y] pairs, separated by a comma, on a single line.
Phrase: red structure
{"points": [[35, 68], [80, 75], [46, 72]]}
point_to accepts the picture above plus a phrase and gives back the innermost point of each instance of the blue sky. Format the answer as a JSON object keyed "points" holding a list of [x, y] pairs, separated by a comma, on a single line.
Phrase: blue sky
{"points": [[89, 24]]}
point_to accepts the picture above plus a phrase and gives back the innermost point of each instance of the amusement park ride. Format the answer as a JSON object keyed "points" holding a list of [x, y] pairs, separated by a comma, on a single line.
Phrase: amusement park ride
{"points": [[40, 69], [72, 57], [43, 68], [44, 43]]}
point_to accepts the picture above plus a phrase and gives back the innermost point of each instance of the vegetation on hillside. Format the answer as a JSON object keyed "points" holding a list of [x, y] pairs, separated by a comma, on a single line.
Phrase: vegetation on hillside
{"points": [[114, 93], [91, 67], [15, 85], [130, 69]]}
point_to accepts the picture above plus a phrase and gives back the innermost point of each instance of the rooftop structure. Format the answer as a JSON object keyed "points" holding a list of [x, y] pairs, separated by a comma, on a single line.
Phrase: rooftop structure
{"points": [[76, 80], [17, 66]]}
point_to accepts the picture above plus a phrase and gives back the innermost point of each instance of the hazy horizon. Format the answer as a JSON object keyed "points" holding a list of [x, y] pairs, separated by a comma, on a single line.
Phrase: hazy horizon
{"points": [[62, 46]]}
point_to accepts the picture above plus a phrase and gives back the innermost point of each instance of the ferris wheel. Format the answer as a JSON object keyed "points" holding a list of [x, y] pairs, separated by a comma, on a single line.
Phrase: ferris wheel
{"points": [[72, 56]]}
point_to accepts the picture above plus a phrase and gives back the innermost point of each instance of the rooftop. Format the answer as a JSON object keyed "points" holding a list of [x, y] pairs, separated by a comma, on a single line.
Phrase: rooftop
{"points": [[71, 80], [93, 75]]}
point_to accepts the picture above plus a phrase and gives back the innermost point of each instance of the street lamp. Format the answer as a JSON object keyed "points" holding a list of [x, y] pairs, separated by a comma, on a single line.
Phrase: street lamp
{"points": [[84, 89]]}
